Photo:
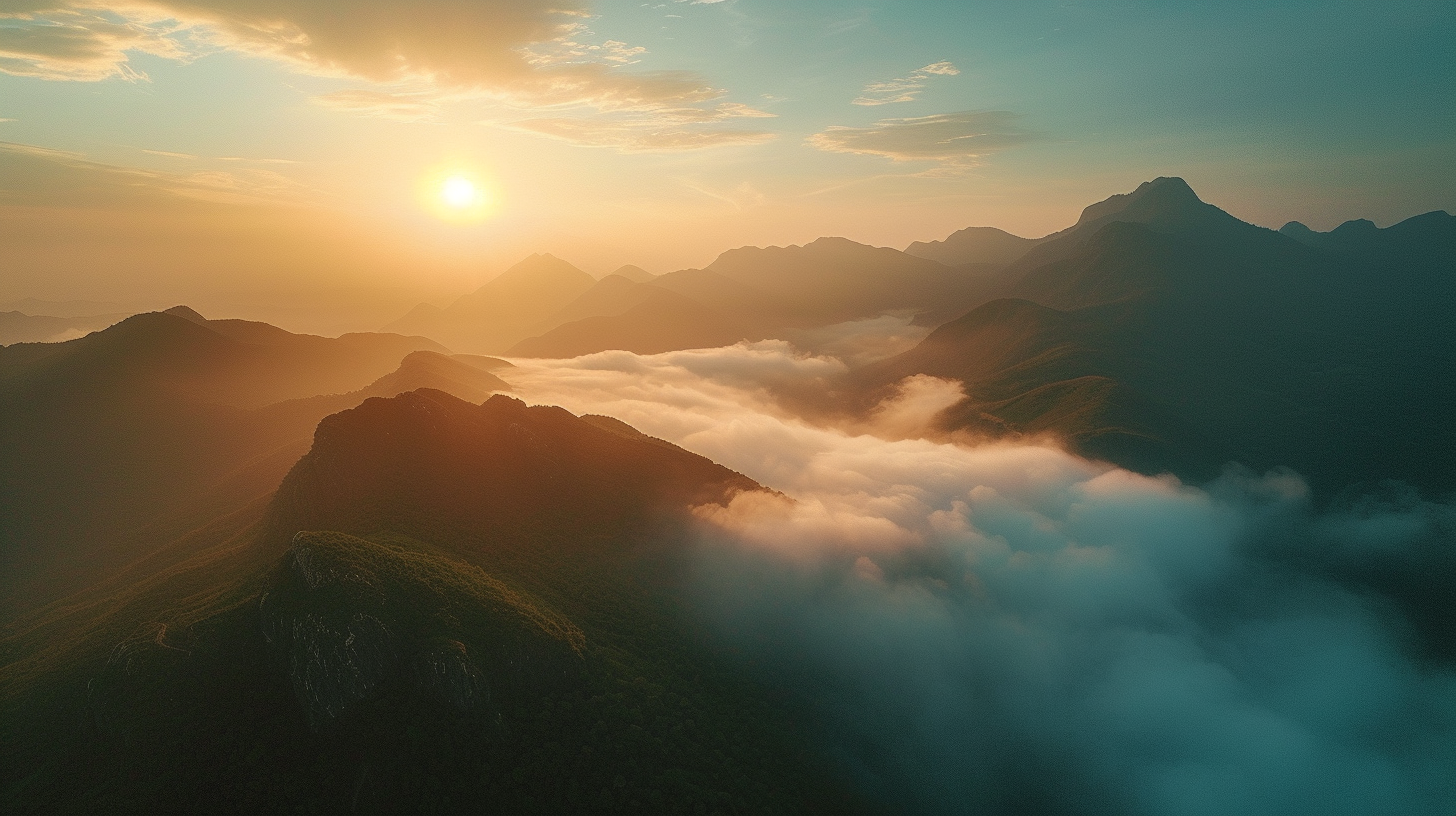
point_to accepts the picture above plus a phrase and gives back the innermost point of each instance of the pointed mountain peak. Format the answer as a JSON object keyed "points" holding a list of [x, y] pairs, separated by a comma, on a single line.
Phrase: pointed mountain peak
{"points": [[1358, 225], [539, 273], [186, 313], [636, 274], [834, 242], [1154, 200], [539, 263]]}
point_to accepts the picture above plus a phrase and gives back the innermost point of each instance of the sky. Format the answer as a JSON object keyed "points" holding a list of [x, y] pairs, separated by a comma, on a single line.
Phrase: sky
{"points": [[283, 160]]}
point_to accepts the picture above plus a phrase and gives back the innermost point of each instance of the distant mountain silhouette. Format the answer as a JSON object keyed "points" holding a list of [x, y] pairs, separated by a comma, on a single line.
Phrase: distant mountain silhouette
{"points": [[67, 308], [18, 327], [834, 279], [1421, 234], [636, 274], [662, 321], [751, 293], [754, 306], [503, 311], [1212, 340], [979, 245], [611, 296]]}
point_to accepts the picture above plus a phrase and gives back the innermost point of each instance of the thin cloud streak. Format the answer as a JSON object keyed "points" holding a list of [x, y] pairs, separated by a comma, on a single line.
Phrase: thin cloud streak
{"points": [[958, 140], [904, 89]]}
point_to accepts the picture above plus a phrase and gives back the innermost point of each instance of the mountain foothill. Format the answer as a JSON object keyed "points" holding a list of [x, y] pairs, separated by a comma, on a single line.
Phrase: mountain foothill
{"points": [[245, 568]]}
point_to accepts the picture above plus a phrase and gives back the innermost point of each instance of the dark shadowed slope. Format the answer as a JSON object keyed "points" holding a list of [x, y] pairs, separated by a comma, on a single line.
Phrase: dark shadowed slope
{"points": [[502, 633], [512, 474], [663, 321], [500, 313], [153, 421], [974, 245], [1209, 340], [428, 369]]}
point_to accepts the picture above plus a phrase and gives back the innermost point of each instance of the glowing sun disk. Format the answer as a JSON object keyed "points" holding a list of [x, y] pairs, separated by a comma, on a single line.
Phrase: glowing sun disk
{"points": [[459, 192]]}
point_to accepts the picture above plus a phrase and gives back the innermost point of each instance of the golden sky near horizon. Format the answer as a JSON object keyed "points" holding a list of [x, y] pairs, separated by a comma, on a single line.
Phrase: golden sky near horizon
{"points": [[286, 161]]}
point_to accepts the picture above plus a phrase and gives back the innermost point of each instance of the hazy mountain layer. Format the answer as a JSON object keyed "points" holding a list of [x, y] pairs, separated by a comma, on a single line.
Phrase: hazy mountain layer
{"points": [[833, 279], [636, 274], [18, 327], [503, 311], [662, 321], [979, 245], [163, 423], [544, 307], [610, 297]]}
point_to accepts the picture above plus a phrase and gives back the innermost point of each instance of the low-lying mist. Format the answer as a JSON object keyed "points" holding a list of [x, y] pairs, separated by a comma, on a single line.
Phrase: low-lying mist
{"points": [[1010, 628]]}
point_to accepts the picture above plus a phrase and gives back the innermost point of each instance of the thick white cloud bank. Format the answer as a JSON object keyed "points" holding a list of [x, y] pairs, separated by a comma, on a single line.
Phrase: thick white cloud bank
{"points": [[1009, 628]]}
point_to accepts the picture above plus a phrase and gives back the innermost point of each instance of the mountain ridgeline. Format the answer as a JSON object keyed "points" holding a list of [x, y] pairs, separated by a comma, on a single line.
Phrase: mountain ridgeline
{"points": [[1164, 334], [1158, 332], [447, 607], [249, 570], [542, 307], [166, 422]]}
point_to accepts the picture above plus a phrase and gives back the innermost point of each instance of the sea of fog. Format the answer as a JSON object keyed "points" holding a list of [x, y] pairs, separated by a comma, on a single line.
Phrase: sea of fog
{"points": [[1006, 627]]}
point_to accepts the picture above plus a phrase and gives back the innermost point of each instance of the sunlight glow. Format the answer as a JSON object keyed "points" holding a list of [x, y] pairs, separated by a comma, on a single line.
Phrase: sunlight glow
{"points": [[459, 192]]}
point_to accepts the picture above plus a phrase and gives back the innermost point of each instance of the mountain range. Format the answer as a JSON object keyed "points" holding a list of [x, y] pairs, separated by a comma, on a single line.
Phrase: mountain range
{"points": [[250, 570], [170, 419], [543, 307], [1158, 332], [1161, 333]]}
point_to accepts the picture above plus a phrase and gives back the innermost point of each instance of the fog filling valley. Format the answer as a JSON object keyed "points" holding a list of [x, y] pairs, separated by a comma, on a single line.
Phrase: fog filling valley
{"points": [[1008, 627]]}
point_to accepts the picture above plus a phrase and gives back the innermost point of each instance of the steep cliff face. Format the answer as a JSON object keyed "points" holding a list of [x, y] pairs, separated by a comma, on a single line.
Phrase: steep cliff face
{"points": [[351, 621]]}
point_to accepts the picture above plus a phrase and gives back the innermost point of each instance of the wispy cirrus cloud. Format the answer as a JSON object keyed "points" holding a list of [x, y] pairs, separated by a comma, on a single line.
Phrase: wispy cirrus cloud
{"points": [[403, 107], [80, 45], [525, 54], [655, 131], [450, 42], [41, 177], [904, 89], [574, 46], [651, 136], [955, 140]]}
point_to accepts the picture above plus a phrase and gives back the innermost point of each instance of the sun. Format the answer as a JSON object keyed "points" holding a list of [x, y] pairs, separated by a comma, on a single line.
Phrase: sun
{"points": [[458, 195], [460, 192]]}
